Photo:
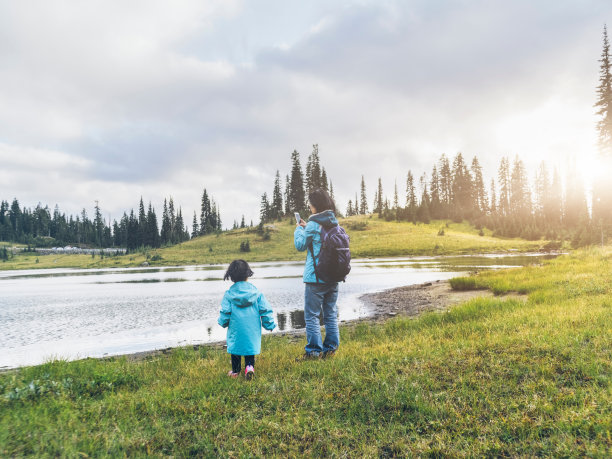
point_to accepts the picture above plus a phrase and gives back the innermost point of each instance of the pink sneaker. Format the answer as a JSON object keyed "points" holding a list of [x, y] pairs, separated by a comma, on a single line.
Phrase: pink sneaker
{"points": [[231, 374], [249, 372]]}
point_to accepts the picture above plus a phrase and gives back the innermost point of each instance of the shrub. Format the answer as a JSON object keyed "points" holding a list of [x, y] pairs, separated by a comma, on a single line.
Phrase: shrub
{"points": [[156, 257], [245, 246], [441, 232], [552, 245], [463, 283], [357, 226]]}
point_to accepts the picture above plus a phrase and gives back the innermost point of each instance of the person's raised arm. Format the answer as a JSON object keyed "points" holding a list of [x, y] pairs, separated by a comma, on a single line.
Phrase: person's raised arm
{"points": [[303, 236]]}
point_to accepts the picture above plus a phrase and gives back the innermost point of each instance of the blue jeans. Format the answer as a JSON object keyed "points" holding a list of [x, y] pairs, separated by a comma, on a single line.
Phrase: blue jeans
{"points": [[317, 298]]}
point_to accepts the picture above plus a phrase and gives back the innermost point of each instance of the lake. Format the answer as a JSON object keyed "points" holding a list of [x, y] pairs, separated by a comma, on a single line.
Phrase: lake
{"points": [[76, 313]]}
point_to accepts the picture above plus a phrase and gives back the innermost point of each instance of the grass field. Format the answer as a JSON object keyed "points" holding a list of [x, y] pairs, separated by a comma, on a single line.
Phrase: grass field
{"points": [[519, 376], [370, 237]]}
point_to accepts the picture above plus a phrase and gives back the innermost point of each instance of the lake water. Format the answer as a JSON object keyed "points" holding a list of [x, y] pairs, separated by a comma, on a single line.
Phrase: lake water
{"points": [[73, 313]]}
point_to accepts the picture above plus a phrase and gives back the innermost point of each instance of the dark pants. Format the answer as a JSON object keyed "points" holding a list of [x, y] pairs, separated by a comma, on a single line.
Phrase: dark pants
{"points": [[237, 360]]}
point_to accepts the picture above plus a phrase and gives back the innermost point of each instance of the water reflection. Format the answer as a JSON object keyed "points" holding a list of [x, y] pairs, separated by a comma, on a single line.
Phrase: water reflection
{"points": [[281, 321]]}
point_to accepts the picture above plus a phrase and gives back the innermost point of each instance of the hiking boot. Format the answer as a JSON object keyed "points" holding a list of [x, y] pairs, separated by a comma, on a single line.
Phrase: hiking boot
{"points": [[249, 372], [328, 354], [308, 356]]}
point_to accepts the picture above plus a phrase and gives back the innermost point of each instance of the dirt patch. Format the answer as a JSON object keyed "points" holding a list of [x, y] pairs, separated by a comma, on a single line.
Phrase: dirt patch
{"points": [[416, 299]]}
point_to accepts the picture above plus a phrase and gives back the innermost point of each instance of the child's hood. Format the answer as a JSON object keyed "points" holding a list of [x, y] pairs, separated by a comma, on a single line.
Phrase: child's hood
{"points": [[243, 294]]}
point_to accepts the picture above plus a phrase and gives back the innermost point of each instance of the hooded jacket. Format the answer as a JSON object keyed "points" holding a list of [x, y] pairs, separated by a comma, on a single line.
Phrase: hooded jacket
{"points": [[303, 236], [244, 310]]}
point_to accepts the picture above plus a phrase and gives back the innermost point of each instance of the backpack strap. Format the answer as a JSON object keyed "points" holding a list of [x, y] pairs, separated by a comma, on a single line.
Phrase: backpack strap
{"points": [[314, 262], [311, 248]]}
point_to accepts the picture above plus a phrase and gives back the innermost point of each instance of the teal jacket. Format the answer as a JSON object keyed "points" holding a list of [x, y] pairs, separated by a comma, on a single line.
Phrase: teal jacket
{"points": [[244, 310], [302, 237]]}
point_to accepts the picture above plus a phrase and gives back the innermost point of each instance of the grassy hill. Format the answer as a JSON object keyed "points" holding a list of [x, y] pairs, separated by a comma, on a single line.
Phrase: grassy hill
{"points": [[529, 375], [370, 237]]}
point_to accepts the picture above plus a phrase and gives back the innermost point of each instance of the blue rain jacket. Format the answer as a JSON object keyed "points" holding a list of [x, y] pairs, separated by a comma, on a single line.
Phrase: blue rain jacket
{"points": [[244, 310], [312, 233]]}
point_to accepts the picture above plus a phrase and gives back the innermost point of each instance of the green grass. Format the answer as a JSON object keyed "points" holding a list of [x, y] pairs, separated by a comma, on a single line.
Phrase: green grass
{"points": [[370, 237], [491, 377]]}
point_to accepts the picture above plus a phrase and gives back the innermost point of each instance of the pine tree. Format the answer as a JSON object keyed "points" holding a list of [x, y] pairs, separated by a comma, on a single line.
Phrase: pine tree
{"points": [[602, 188], [296, 195], [166, 229], [195, 228], [242, 222], [493, 200], [205, 211], [423, 209], [349, 209], [378, 198], [276, 208], [324, 184], [446, 182], [313, 171], [132, 232], [520, 196], [604, 98], [264, 211], [213, 216], [331, 191], [363, 209], [99, 225], [480, 195], [503, 178], [173, 225], [462, 190], [542, 187], [180, 227], [287, 196], [411, 200], [395, 201], [152, 232], [434, 186]]}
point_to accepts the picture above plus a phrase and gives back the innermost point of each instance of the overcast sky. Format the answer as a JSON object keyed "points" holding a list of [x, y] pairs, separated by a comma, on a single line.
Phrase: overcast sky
{"points": [[111, 101]]}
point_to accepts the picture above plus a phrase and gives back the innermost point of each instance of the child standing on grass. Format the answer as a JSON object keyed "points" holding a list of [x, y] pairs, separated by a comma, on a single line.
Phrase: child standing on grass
{"points": [[244, 310]]}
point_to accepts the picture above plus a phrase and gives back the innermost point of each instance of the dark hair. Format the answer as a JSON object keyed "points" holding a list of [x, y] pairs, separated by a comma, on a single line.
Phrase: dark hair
{"points": [[321, 200], [239, 270]]}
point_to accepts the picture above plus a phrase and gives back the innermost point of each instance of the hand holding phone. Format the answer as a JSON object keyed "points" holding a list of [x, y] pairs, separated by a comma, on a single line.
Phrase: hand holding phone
{"points": [[297, 217]]}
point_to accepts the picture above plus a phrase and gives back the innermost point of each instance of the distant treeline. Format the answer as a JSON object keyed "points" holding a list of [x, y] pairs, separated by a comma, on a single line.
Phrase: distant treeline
{"points": [[511, 207], [41, 228], [297, 188], [550, 207]]}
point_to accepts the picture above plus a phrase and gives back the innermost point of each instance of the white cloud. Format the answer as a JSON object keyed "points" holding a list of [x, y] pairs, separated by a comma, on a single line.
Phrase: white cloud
{"points": [[159, 99]]}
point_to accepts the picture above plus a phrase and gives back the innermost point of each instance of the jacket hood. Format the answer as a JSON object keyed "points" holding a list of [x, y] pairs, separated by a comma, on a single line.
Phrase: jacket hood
{"points": [[327, 219], [243, 294]]}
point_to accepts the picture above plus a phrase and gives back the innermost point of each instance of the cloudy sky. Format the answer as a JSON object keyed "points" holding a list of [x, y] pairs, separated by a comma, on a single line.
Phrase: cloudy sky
{"points": [[113, 100]]}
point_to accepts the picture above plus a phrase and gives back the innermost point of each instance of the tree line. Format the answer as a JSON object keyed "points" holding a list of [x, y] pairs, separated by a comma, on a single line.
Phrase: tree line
{"points": [[298, 184], [511, 206], [39, 227]]}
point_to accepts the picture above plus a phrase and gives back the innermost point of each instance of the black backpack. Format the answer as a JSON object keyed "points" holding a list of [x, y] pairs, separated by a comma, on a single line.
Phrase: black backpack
{"points": [[334, 257]]}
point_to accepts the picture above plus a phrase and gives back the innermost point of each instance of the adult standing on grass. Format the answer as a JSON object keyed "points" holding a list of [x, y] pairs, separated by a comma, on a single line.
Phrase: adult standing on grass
{"points": [[319, 296]]}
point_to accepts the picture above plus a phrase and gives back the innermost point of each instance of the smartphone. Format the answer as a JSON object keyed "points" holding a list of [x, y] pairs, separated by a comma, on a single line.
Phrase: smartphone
{"points": [[297, 217]]}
